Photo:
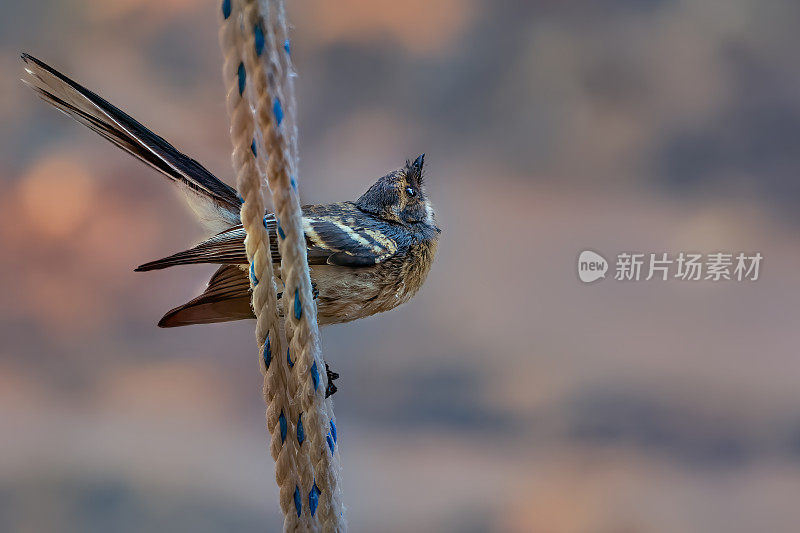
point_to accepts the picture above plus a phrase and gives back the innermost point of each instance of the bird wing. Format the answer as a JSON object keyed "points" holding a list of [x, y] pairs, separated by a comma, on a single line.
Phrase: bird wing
{"points": [[329, 240], [225, 248], [215, 202]]}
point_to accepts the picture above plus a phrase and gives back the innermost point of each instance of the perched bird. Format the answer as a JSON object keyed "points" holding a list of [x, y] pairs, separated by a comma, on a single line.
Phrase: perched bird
{"points": [[365, 257]]}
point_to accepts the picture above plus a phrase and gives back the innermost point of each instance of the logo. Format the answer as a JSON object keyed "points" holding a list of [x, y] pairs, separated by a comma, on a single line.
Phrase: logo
{"points": [[664, 266], [591, 266]]}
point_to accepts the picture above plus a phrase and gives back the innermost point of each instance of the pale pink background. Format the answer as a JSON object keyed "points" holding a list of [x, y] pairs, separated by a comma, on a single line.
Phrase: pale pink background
{"points": [[506, 396]]}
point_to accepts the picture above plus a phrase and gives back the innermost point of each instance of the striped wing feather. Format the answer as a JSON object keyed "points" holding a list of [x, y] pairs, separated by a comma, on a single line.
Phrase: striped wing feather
{"points": [[328, 239]]}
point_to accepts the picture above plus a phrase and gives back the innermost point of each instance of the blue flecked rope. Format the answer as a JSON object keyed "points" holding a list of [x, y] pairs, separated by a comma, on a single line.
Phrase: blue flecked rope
{"points": [[259, 45]]}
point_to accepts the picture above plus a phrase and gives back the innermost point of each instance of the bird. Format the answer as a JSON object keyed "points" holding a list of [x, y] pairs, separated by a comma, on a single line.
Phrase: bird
{"points": [[365, 256]]}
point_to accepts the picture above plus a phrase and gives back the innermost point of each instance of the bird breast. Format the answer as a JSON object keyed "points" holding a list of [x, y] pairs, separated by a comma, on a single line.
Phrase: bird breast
{"points": [[347, 294]]}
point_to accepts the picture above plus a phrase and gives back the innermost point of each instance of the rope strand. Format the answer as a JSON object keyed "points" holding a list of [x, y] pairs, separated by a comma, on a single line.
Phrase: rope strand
{"points": [[248, 184], [254, 40]]}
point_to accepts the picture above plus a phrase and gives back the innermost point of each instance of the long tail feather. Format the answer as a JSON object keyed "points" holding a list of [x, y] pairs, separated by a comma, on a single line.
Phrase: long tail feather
{"points": [[226, 298], [93, 111]]}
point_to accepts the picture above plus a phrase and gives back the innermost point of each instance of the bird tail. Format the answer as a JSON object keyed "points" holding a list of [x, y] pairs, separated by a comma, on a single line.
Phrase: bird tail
{"points": [[215, 202], [226, 298]]}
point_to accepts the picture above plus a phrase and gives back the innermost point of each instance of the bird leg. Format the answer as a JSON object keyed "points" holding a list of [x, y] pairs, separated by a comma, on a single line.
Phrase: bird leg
{"points": [[331, 388]]}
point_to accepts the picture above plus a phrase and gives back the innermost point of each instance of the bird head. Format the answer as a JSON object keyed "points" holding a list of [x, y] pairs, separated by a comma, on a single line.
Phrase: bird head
{"points": [[400, 196]]}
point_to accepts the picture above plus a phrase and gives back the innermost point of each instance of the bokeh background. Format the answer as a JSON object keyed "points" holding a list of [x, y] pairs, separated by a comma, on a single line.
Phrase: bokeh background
{"points": [[506, 396]]}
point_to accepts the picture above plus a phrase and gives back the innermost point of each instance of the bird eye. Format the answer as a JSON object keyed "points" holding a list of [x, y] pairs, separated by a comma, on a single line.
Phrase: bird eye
{"points": [[411, 191]]}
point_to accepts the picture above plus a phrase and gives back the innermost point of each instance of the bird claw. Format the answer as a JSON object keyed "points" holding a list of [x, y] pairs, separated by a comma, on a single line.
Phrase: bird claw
{"points": [[331, 388]]}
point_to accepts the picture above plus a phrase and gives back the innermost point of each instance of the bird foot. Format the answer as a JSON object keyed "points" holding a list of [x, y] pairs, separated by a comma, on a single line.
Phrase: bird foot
{"points": [[331, 388]]}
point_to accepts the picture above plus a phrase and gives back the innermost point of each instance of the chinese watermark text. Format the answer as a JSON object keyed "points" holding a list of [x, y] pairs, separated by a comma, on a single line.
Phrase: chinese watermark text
{"points": [[663, 266]]}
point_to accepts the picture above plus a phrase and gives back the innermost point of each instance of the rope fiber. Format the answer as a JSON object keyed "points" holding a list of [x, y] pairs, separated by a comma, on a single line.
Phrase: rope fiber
{"points": [[258, 76]]}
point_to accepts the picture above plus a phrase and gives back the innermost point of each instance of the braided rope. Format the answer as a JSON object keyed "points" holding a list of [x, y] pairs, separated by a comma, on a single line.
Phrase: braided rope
{"points": [[287, 75], [280, 35], [272, 83], [283, 446], [251, 53], [307, 463]]}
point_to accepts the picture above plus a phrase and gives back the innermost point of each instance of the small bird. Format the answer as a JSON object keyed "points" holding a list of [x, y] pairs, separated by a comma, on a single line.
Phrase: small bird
{"points": [[365, 256]]}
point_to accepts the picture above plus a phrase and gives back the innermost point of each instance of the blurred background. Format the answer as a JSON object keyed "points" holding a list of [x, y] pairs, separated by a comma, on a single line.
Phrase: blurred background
{"points": [[507, 396]]}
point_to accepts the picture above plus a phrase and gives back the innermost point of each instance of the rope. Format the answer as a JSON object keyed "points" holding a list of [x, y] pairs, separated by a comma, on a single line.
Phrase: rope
{"points": [[254, 40], [283, 446]]}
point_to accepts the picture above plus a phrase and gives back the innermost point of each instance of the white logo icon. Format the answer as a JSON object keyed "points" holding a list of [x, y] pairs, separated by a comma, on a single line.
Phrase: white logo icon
{"points": [[591, 266]]}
